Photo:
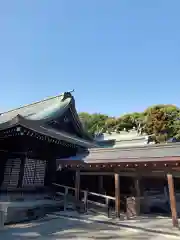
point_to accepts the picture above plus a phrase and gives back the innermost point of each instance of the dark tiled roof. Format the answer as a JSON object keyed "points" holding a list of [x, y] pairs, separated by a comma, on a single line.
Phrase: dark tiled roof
{"points": [[147, 152], [39, 113], [38, 110]]}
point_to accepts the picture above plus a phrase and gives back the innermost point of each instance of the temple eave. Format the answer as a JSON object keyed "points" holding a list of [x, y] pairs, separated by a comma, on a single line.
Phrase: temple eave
{"points": [[21, 126]]}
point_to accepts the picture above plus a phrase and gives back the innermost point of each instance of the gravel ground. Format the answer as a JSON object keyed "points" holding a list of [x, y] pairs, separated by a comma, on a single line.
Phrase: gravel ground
{"points": [[57, 227]]}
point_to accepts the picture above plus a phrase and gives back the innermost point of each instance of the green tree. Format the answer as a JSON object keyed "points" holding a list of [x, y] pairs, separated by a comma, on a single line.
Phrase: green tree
{"points": [[161, 121], [93, 122]]}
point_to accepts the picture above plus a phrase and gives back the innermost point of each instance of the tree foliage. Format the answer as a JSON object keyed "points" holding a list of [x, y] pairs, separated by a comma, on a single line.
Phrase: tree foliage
{"points": [[160, 121]]}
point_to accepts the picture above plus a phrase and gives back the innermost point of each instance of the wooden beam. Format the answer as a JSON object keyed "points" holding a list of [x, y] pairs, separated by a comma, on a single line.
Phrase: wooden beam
{"points": [[77, 185], [172, 200], [117, 194], [126, 174], [97, 173]]}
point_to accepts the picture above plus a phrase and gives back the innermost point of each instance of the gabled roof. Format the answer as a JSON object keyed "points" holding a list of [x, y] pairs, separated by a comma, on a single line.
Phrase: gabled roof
{"points": [[38, 115]]}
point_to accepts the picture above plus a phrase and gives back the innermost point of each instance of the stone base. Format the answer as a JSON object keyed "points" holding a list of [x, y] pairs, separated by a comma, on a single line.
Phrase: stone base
{"points": [[15, 212]]}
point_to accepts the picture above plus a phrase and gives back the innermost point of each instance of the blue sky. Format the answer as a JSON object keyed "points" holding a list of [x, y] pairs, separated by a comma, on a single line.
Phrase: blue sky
{"points": [[119, 55]]}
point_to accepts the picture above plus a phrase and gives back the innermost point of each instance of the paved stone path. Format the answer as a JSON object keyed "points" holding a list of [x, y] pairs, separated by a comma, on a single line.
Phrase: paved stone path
{"points": [[59, 227]]}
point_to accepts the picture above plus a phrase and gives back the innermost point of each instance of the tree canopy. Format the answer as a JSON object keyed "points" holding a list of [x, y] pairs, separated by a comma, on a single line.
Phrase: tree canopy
{"points": [[160, 121]]}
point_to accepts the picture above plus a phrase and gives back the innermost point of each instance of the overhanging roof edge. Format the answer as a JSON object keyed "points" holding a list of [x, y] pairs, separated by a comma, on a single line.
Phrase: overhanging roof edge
{"points": [[35, 125]]}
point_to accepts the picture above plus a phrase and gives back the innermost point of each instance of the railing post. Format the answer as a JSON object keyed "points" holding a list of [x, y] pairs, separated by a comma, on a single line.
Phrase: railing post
{"points": [[85, 201], [107, 206], [65, 198]]}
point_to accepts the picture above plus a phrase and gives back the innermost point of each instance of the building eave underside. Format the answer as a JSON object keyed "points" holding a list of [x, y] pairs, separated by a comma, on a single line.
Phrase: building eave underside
{"points": [[39, 127], [141, 167]]}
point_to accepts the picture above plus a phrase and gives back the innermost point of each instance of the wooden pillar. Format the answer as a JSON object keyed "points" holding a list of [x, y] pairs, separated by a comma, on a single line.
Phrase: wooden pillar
{"points": [[77, 185], [117, 194], [21, 173], [172, 200], [50, 172], [3, 159], [138, 194], [101, 184]]}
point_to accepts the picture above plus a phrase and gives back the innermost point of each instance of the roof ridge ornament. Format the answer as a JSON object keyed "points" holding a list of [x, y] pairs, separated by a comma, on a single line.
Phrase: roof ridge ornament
{"points": [[72, 91], [66, 95]]}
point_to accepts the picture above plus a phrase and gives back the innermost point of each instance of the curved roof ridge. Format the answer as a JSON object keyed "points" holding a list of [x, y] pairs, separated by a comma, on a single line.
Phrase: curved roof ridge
{"points": [[31, 104]]}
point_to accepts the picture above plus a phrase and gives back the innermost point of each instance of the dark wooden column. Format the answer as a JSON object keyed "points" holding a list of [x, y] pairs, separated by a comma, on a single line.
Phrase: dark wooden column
{"points": [[77, 185], [117, 194], [100, 179], [172, 200], [3, 159], [137, 194], [50, 173], [21, 173]]}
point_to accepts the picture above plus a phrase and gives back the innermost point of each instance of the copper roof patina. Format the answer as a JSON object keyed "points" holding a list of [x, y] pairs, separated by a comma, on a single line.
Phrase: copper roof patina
{"points": [[38, 115]]}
